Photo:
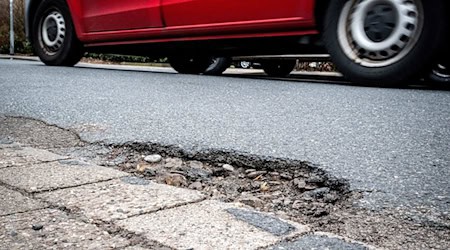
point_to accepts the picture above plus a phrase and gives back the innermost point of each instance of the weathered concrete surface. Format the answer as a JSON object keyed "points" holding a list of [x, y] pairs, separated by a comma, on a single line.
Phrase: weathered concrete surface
{"points": [[14, 202], [16, 155], [118, 199], [54, 175], [53, 229], [204, 225], [36, 133]]}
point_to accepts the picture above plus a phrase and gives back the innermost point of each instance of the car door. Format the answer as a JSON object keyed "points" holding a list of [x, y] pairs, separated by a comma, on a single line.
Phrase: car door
{"points": [[115, 15], [229, 12]]}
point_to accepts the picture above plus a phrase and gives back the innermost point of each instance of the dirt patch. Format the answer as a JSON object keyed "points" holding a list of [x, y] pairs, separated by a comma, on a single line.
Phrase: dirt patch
{"points": [[295, 189]]}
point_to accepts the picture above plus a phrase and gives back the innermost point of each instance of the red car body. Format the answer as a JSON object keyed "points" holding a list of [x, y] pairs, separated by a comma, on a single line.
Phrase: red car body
{"points": [[146, 21], [370, 41], [115, 22]]}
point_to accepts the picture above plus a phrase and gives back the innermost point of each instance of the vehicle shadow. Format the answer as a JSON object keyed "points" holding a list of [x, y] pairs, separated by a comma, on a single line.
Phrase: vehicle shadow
{"points": [[297, 77], [339, 80]]}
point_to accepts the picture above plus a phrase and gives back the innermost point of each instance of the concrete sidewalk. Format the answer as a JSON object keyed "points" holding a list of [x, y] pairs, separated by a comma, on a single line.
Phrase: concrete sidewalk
{"points": [[49, 201]]}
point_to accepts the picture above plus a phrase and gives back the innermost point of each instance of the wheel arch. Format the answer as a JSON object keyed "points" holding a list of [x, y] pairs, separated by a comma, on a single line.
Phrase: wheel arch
{"points": [[30, 11], [320, 11], [31, 7]]}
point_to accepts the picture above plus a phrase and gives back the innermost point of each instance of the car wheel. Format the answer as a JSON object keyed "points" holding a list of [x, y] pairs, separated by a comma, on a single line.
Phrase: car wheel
{"points": [[245, 64], [278, 68], [441, 73], [218, 65], [384, 42], [53, 35], [190, 65]]}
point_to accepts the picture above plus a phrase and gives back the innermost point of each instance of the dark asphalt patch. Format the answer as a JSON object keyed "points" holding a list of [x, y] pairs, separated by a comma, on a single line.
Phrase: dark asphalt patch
{"points": [[318, 242], [267, 223]]}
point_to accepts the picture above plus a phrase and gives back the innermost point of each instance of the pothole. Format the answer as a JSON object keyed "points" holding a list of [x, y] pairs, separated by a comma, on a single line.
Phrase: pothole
{"points": [[288, 188]]}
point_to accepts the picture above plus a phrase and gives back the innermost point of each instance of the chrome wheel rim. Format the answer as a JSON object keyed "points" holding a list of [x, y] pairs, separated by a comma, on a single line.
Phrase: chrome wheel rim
{"points": [[378, 33], [245, 64], [52, 32]]}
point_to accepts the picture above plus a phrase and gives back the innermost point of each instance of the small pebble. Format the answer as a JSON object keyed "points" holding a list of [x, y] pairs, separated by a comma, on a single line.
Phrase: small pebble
{"points": [[286, 176], [195, 164], [256, 174], [247, 171], [153, 158], [196, 186], [228, 167]]}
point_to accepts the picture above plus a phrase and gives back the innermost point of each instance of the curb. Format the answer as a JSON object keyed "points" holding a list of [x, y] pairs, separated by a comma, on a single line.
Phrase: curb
{"points": [[15, 57]]}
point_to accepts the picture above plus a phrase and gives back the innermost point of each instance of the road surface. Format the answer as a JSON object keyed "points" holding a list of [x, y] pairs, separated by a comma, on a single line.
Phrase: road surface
{"points": [[393, 144]]}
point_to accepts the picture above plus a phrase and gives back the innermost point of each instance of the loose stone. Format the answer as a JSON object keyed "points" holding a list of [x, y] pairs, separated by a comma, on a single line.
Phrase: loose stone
{"points": [[176, 180], [173, 163], [300, 183], [196, 185], [256, 174], [331, 197], [195, 173], [315, 179], [264, 187], [250, 170], [286, 176], [153, 158], [275, 175], [195, 164], [141, 167], [228, 167]]}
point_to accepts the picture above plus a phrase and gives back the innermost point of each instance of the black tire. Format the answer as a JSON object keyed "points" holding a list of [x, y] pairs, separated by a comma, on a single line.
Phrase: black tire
{"points": [[218, 66], [409, 48], [60, 47], [441, 74], [190, 64], [278, 68]]}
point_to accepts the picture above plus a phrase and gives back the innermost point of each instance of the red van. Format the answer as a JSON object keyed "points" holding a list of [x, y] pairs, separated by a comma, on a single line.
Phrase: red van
{"points": [[378, 42]]}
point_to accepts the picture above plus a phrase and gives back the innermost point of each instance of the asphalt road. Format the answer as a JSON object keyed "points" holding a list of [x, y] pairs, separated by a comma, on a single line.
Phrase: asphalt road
{"points": [[392, 143]]}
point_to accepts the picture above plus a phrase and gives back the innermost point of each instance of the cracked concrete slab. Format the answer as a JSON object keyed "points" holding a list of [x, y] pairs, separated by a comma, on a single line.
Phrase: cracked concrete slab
{"points": [[15, 155], [55, 175], [14, 202], [204, 225], [121, 198], [53, 229]]}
